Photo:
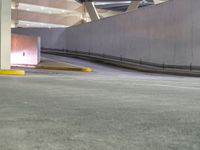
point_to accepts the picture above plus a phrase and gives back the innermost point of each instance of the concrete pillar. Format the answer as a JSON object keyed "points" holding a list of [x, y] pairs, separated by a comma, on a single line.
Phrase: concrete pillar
{"points": [[91, 9], [5, 34], [133, 5]]}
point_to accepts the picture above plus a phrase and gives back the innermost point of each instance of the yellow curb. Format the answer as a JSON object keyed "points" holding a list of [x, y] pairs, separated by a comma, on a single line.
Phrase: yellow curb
{"points": [[87, 70], [64, 68], [12, 72]]}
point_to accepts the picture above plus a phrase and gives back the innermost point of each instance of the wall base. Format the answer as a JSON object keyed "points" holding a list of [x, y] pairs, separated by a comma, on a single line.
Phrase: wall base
{"points": [[130, 64]]}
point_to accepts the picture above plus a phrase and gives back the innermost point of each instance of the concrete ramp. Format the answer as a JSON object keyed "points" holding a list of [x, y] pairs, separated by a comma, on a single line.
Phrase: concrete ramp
{"points": [[168, 33]]}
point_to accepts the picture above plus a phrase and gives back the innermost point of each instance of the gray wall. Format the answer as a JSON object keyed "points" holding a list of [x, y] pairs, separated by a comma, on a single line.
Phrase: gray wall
{"points": [[50, 38], [168, 33]]}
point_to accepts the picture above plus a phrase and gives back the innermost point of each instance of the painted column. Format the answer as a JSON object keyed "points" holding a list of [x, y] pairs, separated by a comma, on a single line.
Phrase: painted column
{"points": [[5, 34]]}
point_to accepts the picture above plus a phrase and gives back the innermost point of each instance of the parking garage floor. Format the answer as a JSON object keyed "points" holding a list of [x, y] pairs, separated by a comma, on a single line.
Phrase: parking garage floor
{"points": [[109, 109]]}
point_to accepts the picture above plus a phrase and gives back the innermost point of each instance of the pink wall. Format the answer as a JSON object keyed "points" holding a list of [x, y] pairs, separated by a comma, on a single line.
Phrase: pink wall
{"points": [[25, 50]]}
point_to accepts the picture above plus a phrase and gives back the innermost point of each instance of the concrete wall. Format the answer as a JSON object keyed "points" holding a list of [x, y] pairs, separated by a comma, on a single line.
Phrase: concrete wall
{"points": [[168, 33], [50, 38]]}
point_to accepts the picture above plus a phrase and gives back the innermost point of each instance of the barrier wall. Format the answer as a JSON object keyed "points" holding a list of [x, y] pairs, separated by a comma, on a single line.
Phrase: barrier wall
{"points": [[168, 33], [25, 50], [53, 38]]}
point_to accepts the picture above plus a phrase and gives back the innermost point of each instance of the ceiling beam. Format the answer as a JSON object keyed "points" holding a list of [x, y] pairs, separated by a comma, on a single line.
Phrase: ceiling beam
{"points": [[158, 1], [133, 5], [45, 18], [61, 4], [92, 11]]}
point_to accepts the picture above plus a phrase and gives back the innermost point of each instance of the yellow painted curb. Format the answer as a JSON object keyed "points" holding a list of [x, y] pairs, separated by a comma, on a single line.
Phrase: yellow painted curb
{"points": [[87, 70], [64, 68], [12, 72]]}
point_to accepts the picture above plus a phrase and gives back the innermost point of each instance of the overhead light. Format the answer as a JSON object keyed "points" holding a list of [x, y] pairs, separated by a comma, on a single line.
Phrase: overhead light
{"points": [[13, 26], [42, 8]]}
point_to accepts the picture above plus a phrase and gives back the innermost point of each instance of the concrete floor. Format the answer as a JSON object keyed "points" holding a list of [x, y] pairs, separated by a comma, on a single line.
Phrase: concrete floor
{"points": [[109, 109]]}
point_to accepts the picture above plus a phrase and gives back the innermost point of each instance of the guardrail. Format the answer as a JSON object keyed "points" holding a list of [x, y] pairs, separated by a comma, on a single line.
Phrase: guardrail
{"points": [[138, 65]]}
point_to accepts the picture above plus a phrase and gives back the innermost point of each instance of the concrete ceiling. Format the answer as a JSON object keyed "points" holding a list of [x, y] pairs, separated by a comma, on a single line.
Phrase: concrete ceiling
{"points": [[61, 13]]}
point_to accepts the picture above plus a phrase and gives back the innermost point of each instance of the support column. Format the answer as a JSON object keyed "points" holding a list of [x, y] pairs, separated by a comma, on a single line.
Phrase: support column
{"points": [[91, 9], [5, 34], [5, 40], [133, 5]]}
